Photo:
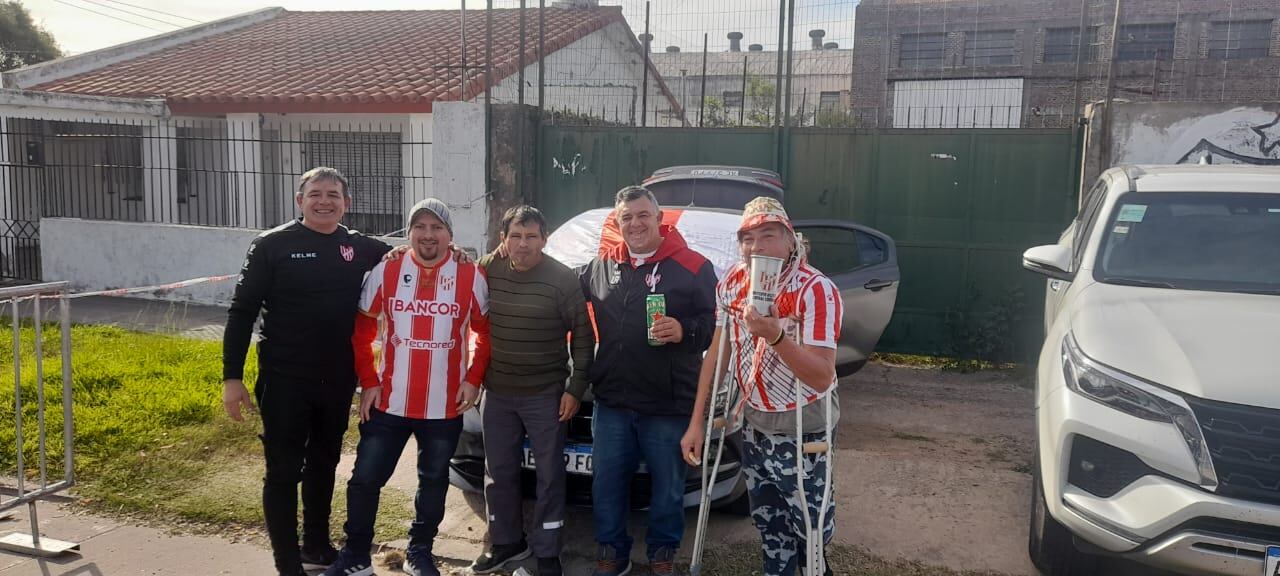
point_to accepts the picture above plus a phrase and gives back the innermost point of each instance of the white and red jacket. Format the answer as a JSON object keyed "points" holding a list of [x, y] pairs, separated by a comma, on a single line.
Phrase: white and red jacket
{"points": [[429, 313], [810, 309]]}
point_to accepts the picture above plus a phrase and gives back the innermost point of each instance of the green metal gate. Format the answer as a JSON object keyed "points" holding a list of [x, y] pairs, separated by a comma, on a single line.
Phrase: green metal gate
{"points": [[962, 205]]}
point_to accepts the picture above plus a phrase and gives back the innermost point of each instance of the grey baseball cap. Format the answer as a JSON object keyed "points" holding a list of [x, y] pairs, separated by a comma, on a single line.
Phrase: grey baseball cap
{"points": [[433, 206]]}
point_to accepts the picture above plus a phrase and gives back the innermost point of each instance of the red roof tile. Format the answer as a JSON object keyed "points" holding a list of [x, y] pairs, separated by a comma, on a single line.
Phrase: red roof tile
{"points": [[332, 62]]}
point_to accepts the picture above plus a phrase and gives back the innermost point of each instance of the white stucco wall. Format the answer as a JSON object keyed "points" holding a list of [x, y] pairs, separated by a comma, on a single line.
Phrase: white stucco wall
{"points": [[458, 165], [101, 255], [1174, 133]]}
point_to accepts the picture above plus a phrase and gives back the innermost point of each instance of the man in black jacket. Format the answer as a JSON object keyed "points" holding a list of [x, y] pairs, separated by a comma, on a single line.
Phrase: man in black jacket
{"points": [[644, 378], [305, 277]]}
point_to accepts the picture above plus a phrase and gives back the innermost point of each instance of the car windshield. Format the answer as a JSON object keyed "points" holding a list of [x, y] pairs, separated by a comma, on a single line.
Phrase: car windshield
{"points": [[1193, 241]]}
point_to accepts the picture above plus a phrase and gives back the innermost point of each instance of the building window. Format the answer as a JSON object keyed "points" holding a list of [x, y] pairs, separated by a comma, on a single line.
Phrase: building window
{"points": [[1063, 45], [1236, 40], [1146, 42], [372, 163], [922, 50], [829, 101], [989, 48], [732, 99]]}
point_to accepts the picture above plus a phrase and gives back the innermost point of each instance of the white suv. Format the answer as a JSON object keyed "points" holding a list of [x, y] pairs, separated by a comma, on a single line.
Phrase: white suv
{"points": [[1158, 386]]}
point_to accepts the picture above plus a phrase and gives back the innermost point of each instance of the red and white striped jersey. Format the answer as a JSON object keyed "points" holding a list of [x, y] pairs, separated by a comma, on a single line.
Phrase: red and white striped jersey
{"points": [[809, 308], [429, 313]]}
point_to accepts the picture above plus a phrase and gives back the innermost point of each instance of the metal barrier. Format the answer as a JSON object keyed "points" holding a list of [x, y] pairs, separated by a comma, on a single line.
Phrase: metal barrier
{"points": [[12, 299]]}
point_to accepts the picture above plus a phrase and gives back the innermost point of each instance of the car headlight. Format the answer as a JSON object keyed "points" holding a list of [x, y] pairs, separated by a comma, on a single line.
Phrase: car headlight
{"points": [[1139, 399]]}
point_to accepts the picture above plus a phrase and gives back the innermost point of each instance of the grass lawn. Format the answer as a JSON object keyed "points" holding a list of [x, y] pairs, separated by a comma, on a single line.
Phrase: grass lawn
{"points": [[151, 439]]}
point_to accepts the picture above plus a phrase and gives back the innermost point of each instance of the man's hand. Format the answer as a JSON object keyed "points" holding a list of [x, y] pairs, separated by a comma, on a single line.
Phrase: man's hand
{"points": [[667, 330], [467, 395], [367, 397], [395, 252], [501, 251], [234, 396], [462, 256], [568, 407], [691, 444], [766, 327]]}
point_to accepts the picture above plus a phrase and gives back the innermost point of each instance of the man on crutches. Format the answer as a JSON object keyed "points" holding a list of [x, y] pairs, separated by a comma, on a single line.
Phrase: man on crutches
{"points": [[784, 363]]}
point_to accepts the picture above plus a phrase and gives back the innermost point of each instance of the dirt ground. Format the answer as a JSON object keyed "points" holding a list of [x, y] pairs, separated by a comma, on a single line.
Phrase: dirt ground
{"points": [[931, 466]]}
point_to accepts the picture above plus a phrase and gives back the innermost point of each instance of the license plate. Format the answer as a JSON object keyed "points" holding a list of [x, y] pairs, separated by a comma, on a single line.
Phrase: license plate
{"points": [[1272, 567], [577, 458]]}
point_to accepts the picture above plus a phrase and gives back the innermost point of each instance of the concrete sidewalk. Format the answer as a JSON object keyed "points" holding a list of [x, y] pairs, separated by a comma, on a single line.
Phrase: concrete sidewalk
{"points": [[112, 548]]}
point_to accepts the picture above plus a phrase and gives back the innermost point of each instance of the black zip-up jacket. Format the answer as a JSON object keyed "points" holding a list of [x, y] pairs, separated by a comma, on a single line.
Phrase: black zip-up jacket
{"points": [[307, 285], [628, 373]]}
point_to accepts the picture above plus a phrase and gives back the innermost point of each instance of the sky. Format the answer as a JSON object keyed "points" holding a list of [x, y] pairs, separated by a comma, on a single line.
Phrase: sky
{"points": [[85, 25]]}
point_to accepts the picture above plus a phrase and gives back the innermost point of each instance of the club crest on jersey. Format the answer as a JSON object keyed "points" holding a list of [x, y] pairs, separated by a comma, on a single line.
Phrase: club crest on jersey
{"points": [[446, 283], [651, 280], [348, 252]]}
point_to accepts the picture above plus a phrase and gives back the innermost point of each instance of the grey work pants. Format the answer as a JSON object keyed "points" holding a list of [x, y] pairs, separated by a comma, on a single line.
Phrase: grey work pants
{"points": [[507, 420]]}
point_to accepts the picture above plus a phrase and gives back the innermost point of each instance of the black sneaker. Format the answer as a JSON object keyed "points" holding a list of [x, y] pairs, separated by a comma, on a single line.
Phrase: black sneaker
{"points": [[549, 567], [497, 557], [318, 557], [419, 563], [349, 564]]}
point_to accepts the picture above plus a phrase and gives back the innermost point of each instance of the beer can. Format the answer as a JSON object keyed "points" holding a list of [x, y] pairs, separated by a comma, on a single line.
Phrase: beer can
{"points": [[655, 307]]}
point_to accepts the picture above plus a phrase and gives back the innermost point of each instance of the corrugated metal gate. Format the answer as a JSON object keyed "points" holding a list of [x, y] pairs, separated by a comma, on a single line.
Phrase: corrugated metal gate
{"points": [[961, 204]]}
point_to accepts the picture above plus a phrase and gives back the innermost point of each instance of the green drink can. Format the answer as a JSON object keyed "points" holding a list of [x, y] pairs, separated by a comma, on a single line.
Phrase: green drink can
{"points": [[655, 307]]}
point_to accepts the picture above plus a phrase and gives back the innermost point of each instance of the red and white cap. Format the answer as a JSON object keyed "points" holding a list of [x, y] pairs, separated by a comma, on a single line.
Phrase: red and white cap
{"points": [[763, 210]]}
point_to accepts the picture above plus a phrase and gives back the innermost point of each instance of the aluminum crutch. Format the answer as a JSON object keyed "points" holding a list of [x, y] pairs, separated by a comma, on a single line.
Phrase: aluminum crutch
{"points": [[720, 422], [815, 538]]}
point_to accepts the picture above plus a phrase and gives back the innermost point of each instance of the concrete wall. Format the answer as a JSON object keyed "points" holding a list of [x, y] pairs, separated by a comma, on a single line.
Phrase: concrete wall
{"points": [[459, 178], [101, 255], [1182, 133]]}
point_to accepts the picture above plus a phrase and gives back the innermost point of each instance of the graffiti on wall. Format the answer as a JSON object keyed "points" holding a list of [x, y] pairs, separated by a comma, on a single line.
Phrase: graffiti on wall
{"points": [[1194, 135]]}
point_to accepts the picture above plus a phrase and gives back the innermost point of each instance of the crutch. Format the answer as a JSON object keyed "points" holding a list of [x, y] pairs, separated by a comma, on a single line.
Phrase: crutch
{"points": [[722, 423], [815, 538]]}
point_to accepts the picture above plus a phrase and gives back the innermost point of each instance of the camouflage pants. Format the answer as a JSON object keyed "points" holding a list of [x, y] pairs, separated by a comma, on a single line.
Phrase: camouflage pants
{"points": [[769, 461]]}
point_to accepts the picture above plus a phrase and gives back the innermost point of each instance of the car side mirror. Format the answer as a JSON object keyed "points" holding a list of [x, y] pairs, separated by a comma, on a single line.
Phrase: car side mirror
{"points": [[1053, 260]]}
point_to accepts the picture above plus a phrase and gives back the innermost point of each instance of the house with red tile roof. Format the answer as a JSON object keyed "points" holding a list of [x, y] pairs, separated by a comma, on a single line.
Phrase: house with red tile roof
{"points": [[211, 125]]}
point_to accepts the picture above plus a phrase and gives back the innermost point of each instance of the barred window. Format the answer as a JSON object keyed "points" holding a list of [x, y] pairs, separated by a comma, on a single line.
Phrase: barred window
{"points": [[1145, 42], [989, 48], [829, 100], [371, 163], [922, 50], [1236, 40], [732, 99]]}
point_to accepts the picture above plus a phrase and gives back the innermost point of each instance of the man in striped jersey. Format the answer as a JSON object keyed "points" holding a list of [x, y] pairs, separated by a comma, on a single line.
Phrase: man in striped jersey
{"points": [[766, 354], [429, 303], [529, 389]]}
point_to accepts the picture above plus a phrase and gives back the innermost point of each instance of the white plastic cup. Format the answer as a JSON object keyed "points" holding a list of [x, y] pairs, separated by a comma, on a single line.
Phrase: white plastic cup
{"points": [[766, 277]]}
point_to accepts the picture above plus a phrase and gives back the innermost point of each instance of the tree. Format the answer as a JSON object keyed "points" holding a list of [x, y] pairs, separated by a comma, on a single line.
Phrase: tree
{"points": [[22, 41], [714, 113], [761, 98]]}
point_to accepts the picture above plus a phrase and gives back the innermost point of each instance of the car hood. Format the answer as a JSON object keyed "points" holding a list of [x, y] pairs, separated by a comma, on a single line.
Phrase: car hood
{"points": [[1214, 345]]}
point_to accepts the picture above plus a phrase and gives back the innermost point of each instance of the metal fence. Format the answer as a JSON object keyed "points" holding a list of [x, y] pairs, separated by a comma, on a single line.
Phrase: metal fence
{"points": [[48, 482], [210, 172]]}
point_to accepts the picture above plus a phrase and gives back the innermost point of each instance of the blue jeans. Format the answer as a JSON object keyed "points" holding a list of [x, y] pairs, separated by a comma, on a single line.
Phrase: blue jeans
{"points": [[382, 439], [621, 438]]}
